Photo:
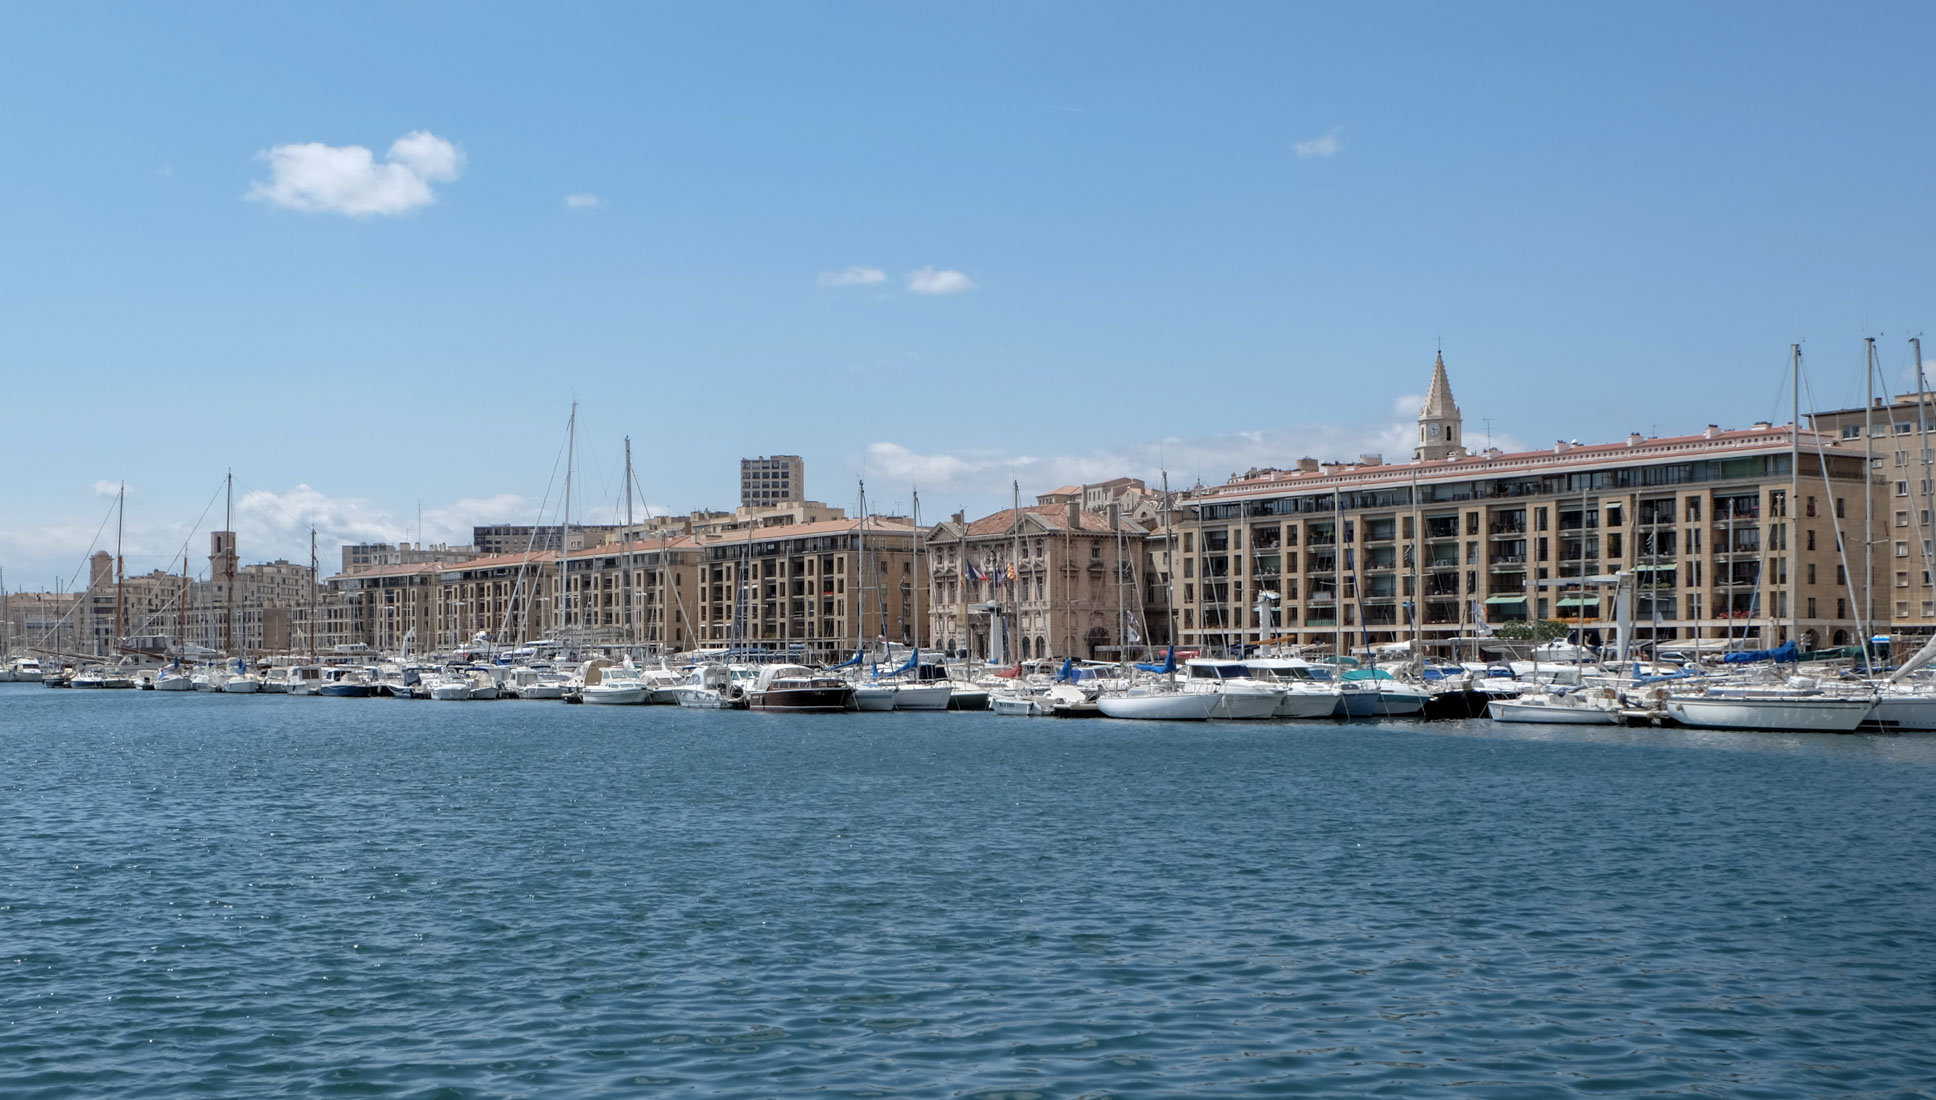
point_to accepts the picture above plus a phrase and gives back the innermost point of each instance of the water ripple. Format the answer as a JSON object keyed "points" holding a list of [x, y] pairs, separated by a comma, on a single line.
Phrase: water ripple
{"points": [[221, 896]]}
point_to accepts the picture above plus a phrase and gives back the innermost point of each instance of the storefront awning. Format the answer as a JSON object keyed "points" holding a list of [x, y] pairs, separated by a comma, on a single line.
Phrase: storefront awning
{"points": [[1575, 601], [1505, 599]]}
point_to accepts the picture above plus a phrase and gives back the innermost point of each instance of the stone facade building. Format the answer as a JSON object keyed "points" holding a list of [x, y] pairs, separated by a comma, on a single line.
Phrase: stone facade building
{"points": [[1053, 579]]}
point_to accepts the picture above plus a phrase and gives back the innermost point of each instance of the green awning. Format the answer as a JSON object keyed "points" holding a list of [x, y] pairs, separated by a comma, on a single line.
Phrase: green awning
{"points": [[1505, 599], [1574, 601]]}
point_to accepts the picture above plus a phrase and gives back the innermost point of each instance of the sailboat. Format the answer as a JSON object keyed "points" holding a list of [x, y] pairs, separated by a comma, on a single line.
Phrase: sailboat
{"points": [[1151, 700], [1796, 705]]}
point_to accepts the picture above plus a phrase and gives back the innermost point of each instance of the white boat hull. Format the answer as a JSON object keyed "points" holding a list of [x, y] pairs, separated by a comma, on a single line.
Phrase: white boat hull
{"points": [[873, 697], [542, 691], [174, 683], [1019, 706], [1904, 712], [615, 695], [242, 685], [922, 696], [451, 693], [1308, 704], [1503, 710], [1159, 707], [1808, 715], [1375, 703], [1245, 705]]}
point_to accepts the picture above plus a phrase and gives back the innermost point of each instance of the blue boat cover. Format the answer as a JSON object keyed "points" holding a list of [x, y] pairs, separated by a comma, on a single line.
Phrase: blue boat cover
{"points": [[1788, 652], [1168, 665]]}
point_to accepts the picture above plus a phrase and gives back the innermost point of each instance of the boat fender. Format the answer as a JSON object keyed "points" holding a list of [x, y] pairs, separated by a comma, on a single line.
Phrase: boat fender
{"points": [[737, 691]]}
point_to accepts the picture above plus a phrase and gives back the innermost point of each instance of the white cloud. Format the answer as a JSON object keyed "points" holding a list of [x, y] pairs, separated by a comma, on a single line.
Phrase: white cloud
{"points": [[107, 488], [1325, 146], [272, 524], [853, 276], [347, 179], [982, 479], [928, 280], [584, 200]]}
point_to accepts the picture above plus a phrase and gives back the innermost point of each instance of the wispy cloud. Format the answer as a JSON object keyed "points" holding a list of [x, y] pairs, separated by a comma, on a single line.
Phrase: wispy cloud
{"points": [[853, 276], [270, 524], [107, 488], [981, 478], [583, 200], [348, 179], [930, 280], [1324, 146]]}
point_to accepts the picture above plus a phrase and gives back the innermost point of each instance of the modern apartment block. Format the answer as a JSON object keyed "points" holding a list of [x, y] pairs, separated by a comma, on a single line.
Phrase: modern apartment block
{"points": [[767, 481], [1899, 439], [1453, 542]]}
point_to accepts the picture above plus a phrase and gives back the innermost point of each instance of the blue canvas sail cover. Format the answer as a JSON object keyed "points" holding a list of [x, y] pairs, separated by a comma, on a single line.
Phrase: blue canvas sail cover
{"points": [[1168, 665], [849, 662], [913, 659], [1788, 652], [1067, 674]]}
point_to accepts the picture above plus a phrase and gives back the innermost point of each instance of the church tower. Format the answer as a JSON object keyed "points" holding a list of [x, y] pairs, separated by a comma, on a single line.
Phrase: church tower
{"points": [[1439, 424]]}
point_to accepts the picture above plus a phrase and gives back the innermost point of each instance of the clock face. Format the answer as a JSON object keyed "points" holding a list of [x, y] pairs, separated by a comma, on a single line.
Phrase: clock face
{"points": [[1435, 431]]}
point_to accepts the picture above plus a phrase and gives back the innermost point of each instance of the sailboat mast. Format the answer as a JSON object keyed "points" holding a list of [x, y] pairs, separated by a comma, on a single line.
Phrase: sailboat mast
{"points": [[1922, 435], [1418, 576], [1169, 556], [1337, 572], [917, 567], [228, 571], [1015, 582], [120, 570], [312, 595], [1794, 492], [861, 582], [627, 589], [564, 531], [1868, 496]]}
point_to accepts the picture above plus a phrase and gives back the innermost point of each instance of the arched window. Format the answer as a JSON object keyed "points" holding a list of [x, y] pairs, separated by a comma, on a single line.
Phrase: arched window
{"points": [[1041, 646]]}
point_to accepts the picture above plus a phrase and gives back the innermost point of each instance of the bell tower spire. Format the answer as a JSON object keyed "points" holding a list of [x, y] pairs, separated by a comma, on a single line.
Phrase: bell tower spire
{"points": [[1439, 423]]}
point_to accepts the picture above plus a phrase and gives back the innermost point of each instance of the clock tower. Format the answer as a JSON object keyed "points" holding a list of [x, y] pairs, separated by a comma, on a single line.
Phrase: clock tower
{"points": [[1439, 424]]}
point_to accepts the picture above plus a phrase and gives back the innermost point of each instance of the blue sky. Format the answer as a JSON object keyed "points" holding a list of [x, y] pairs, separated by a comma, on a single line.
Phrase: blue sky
{"points": [[1200, 237]]}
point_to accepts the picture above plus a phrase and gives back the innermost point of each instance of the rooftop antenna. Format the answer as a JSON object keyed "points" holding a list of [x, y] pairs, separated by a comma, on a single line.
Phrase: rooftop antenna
{"points": [[1487, 421]]}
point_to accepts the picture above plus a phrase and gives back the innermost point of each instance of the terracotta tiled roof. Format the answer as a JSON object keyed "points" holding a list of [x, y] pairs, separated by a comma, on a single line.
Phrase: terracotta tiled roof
{"points": [[1656, 449]]}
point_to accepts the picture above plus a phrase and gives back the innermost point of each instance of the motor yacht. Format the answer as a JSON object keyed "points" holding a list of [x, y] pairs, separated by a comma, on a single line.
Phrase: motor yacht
{"points": [[799, 689], [1239, 696]]}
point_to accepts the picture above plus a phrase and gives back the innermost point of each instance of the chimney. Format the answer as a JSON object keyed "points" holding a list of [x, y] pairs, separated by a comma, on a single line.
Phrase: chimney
{"points": [[1712, 431], [1371, 460], [1635, 439], [1307, 465], [960, 519], [1075, 515], [1493, 452], [1763, 425], [1560, 447], [1115, 516]]}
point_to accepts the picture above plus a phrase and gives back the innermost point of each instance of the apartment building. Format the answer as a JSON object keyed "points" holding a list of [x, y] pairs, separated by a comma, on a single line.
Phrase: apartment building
{"points": [[1453, 542], [1899, 439], [764, 481]]}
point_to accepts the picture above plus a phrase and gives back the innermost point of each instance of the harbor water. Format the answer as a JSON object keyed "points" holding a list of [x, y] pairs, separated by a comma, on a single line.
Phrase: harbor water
{"points": [[207, 895]]}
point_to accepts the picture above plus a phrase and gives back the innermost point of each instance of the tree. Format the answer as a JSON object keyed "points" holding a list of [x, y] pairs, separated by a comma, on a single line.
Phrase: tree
{"points": [[1545, 630]]}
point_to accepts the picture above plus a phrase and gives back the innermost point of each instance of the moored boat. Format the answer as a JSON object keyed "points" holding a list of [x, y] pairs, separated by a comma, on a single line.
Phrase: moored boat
{"points": [[1795, 713], [798, 689]]}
